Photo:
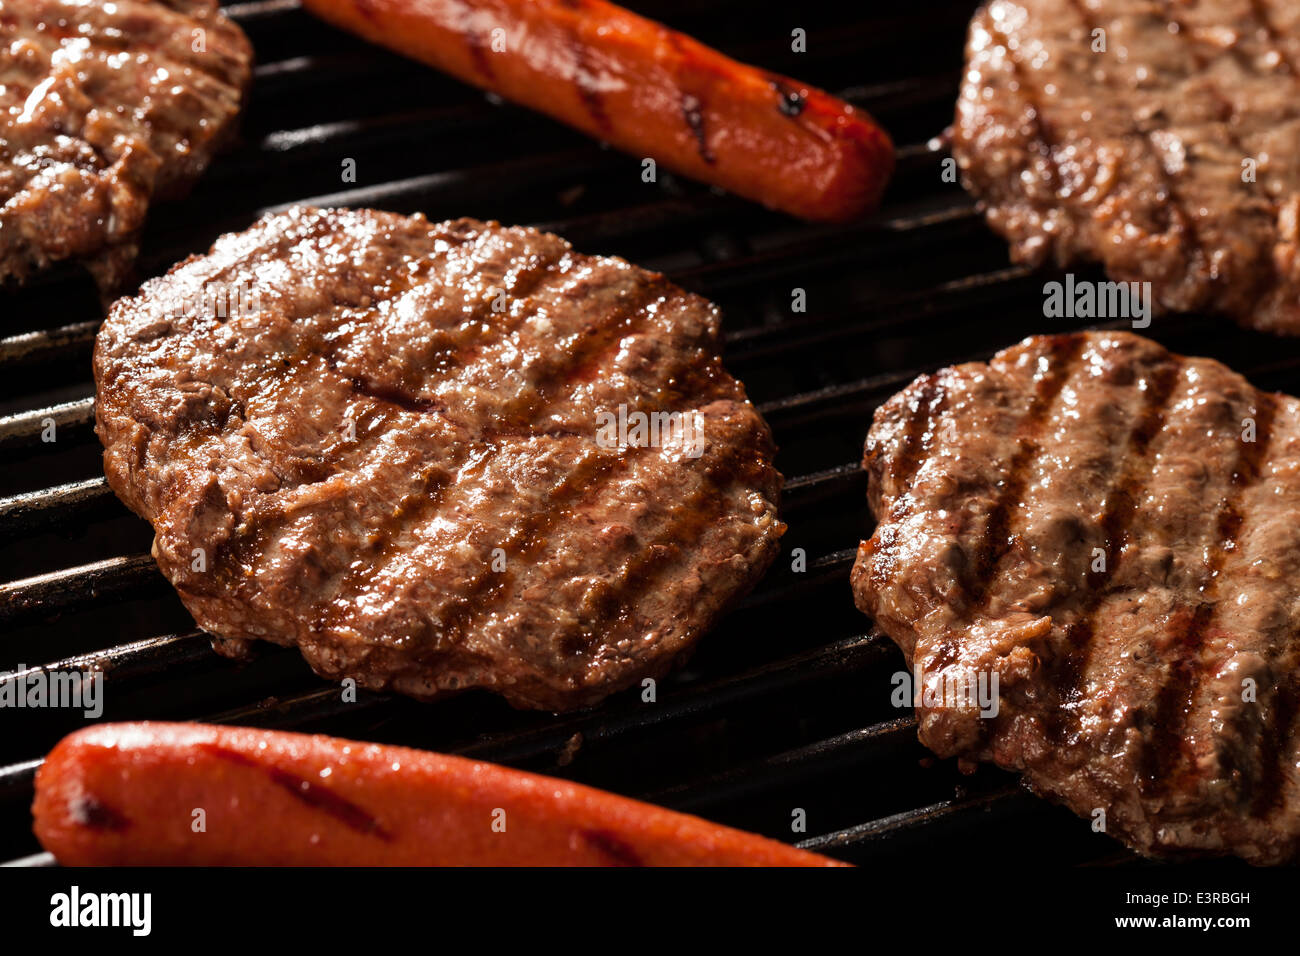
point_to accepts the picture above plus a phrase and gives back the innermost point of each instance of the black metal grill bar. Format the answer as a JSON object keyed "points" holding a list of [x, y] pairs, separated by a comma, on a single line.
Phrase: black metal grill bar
{"points": [[51, 507], [245, 12], [846, 656], [368, 130], [945, 811], [464, 185], [16, 780], [137, 660], [820, 569], [295, 710], [24, 429], [76, 587], [813, 489], [44, 344], [760, 342], [855, 747], [628, 222], [884, 382], [676, 705], [832, 248]]}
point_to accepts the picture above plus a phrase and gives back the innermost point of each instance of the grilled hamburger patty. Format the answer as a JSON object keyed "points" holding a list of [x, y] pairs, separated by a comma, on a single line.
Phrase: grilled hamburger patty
{"points": [[392, 453], [1133, 156], [1110, 529], [102, 107]]}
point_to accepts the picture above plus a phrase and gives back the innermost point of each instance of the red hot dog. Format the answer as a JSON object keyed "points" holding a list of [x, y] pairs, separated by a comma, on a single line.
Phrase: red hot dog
{"points": [[647, 89], [190, 794]]}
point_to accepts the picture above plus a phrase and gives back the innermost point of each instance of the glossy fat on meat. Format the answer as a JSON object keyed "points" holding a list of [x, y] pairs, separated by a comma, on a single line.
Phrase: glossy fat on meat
{"points": [[1110, 529], [104, 106], [382, 437], [1157, 138]]}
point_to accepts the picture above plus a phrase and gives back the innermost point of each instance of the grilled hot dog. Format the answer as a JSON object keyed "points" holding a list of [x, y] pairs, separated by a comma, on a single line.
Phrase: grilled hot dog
{"points": [[191, 794], [649, 90]]}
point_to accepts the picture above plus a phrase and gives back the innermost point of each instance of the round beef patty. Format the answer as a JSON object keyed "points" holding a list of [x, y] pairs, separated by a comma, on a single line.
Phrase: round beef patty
{"points": [[1087, 550], [437, 456], [102, 107], [1156, 138]]}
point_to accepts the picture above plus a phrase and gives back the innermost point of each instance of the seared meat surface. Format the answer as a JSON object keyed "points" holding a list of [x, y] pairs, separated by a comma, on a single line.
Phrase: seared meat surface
{"points": [[389, 442], [104, 106], [1110, 530], [1157, 138]]}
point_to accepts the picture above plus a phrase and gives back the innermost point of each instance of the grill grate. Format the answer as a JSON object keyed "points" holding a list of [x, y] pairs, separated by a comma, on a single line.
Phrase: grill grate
{"points": [[786, 704]]}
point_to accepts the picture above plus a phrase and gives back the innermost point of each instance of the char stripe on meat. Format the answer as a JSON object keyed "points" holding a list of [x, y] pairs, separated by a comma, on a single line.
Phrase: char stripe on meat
{"points": [[1272, 770], [1061, 364], [1125, 685], [1165, 756], [1175, 211]]}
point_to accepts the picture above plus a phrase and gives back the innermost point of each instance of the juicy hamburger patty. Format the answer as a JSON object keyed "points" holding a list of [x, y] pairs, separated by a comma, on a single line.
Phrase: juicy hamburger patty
{"points": [[1169, 156], [103, 106], [1110, 529], [396, 451]]}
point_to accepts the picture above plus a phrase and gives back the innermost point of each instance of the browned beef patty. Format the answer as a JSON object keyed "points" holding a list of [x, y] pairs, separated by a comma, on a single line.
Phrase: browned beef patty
{"points": [[1169, 157], [394, 452], [102, 107], [1111, 530]]}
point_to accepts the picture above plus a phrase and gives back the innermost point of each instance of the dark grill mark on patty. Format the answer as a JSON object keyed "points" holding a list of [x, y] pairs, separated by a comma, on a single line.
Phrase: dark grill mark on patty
{"points": [[1062, 356], [918, 427], [1047, 143], [517, 419], [1172, 214], [1276, 760], [1165, 757], [481, 592]]}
